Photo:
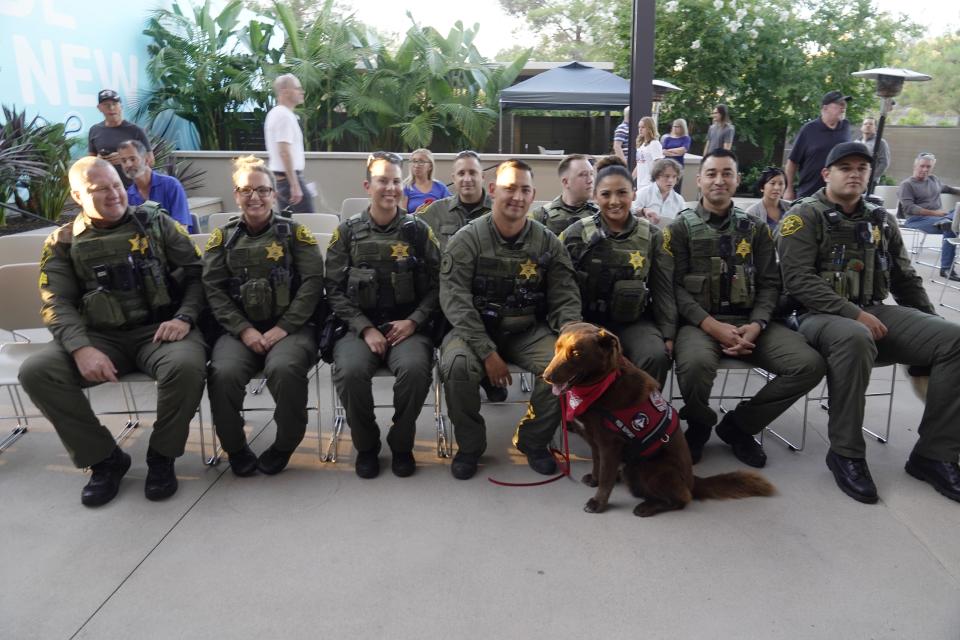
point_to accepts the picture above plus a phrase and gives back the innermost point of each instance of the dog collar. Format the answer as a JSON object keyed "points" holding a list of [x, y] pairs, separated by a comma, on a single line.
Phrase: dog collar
{"points": [[578, 398]]}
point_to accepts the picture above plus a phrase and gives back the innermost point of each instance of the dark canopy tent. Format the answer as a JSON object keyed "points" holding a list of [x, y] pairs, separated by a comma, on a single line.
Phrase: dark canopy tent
{"points": [[572, 86]]}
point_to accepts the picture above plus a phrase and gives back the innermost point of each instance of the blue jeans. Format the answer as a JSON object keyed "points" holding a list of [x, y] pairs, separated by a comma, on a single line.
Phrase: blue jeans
{"points": [[926, 224]]}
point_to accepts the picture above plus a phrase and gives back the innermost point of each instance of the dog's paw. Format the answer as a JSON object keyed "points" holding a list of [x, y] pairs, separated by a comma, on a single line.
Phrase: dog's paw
{"points": [[647, 508], [589, 480], [594, 506]]}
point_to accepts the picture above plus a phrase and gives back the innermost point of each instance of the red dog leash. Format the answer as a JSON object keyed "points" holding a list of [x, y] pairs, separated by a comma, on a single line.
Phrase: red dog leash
{"points": [[563, 460]]}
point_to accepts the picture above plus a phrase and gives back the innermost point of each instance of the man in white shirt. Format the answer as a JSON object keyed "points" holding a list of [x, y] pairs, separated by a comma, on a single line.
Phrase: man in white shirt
{"points": [[285, 145]]}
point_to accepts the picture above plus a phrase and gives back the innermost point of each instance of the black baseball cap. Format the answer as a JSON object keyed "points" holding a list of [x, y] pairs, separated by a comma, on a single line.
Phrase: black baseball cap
{"points": [[107, 95], [845, 149], [834, 96]]}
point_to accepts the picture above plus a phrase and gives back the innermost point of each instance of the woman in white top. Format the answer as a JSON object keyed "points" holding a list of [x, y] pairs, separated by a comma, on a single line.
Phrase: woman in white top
{"points": [[649, 151], [658, 202]]}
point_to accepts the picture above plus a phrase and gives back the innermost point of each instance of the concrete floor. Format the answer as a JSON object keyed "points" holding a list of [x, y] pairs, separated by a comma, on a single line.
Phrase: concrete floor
{"points": [[317, 552]]}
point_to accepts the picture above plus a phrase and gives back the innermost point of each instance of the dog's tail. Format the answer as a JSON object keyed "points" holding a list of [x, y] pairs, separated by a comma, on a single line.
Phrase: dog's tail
{"points": [[737, 484]]}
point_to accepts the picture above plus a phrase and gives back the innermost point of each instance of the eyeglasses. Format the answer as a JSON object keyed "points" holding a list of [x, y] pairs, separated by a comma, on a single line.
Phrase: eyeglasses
{"points": [[247, 192], [389, 156], [420, 162]]}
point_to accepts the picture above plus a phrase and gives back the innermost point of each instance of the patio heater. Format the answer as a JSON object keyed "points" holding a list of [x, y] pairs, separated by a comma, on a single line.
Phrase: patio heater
{"points": [[889, 85], [660, 89]]}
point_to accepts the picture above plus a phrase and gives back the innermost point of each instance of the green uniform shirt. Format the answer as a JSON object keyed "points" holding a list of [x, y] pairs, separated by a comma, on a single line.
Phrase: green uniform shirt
{"points": [[447, 215], [802, 239], [677, 242], [62, 288], [659, 278], [295, 251], [339, 262], [459, 267], [557, 215]]}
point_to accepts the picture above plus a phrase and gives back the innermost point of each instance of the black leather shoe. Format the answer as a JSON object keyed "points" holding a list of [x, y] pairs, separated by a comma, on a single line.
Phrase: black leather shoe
{"points": [[853, 477], [494, 393], [104, 482], [367, 464], [944, 476], [745, 448], [949, 274], [243, 463], [403, 464], [161, 478], [541, 461], [273, 461], [464, 465], [697, 436]]}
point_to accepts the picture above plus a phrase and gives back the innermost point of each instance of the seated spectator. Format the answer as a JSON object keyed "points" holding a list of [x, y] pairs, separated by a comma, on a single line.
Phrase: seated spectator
{"points": [[675, 145], [147, 184], [772, 206], [649, 150], [420, 189], [658, 202], [920, 203]]}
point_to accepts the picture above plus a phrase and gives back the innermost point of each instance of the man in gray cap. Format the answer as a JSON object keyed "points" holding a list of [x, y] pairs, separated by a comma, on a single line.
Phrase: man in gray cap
{"points": [[841, 257], [105, 137], [813, 143]]}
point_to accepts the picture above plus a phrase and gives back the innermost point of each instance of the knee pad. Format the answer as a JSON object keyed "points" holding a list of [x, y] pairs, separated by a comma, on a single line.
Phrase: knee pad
{"points": [[458, 369]]}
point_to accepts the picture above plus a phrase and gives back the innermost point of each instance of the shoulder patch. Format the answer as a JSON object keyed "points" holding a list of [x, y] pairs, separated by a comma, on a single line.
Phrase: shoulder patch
{"points": [[215, 239], [304, 235], [181, 229], [790, 225], [432, 237], [446, 263], [667, 236], [334, 237]]}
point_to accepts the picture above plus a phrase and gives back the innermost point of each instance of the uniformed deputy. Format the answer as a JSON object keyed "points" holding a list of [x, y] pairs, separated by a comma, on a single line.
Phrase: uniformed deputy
{"points": [[841, 257], [626, 279], [727, 285], [507, 286], [263, 275], [381, 280], [576, 180], [470, 201], [121, 291]]}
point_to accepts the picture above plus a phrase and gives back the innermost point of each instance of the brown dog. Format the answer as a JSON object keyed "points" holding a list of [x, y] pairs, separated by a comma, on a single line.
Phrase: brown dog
{"points": [[600, 386]]}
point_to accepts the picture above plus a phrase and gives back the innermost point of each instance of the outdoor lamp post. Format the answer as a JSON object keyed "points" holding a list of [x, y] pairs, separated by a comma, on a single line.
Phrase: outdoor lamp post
{"points": [[660, 89], [889, 85]]}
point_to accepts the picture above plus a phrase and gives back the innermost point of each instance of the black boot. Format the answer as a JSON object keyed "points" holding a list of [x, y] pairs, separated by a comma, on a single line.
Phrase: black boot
{"points": [[541, 460], [273, 461], [403, 464], [464, 465], [943, 476], [105, 479], [367, 464], [745, 448], [243, 462], [161, 478], [697, 436], [853, 477]]}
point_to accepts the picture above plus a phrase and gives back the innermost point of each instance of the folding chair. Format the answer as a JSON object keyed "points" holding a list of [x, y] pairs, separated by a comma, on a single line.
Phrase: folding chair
{"points": [[12, 356], [823, 399], [195, 222], [217, 220], [945, 284], [21, 248], [350, 206], [318, 222]]}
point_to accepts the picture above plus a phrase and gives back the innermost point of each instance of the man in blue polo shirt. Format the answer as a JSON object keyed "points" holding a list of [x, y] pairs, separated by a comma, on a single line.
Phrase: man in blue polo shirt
{"points": [[150, 185], [813, 143]]}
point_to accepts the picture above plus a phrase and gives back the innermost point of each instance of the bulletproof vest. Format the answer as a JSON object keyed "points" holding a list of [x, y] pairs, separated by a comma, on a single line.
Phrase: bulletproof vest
{"points": [[124, 272], [263, 277], [557, 217], [510, 283], [613, 272], [386, 278], [454, 220], [722, 267], [852, 255]]}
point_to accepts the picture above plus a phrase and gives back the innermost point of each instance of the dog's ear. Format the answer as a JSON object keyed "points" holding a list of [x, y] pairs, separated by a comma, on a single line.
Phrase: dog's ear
{"points": [[608, 341]]}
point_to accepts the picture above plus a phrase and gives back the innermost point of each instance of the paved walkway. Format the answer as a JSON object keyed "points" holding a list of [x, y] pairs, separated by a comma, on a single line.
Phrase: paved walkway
{"points": [[318, 553]]}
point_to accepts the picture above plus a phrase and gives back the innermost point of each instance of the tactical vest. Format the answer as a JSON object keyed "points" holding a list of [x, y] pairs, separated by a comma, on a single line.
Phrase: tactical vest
{"points": [[387, 277], [722, 268], [557, 217], [613, 272], [510, 284], [454, 220], [852, 255], [263, 278], [124, 272]]}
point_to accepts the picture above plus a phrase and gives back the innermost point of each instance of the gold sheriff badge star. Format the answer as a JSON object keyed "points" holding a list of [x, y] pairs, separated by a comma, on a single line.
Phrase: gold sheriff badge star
{"points": [[274, 251], [528, 269], [139, 244], [636, 260], [743, 249], [400, 250]]}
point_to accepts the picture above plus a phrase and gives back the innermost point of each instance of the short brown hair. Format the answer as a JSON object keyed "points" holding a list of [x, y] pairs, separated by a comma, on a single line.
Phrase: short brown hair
{"points": [[568, 160], [514, 163]]}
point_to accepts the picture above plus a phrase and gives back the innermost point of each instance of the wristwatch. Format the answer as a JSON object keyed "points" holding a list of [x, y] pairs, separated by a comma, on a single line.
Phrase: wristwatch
{"points": [[184, 318], [763, 324]]}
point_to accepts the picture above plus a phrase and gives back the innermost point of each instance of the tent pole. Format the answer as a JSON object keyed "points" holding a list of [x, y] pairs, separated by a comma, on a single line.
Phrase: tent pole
{"points": [[641, 70], [500, 144]]}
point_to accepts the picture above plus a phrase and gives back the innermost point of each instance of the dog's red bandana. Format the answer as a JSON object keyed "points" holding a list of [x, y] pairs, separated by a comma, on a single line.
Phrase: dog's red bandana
{"points": [[647, 426]]}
